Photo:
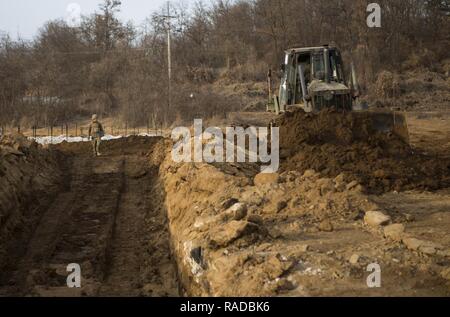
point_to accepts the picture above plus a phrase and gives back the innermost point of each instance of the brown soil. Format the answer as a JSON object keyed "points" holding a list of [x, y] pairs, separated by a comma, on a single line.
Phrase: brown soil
{"points": [[421, 210], [139, 224], [29, 178], [304, 232], [109, 219], [333, 143], [297, 235], [430, 132]]}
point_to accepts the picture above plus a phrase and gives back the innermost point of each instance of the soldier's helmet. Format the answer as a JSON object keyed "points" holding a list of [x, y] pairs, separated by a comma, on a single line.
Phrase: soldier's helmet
{"points": [[94, 117]]}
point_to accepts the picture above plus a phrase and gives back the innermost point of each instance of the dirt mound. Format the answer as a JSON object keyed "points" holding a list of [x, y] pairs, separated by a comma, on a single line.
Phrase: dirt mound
{"points": [[288, 234], [335, 143]]}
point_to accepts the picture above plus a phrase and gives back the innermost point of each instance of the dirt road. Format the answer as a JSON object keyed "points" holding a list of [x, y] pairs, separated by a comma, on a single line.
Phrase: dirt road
{"points": [[108, 219]]}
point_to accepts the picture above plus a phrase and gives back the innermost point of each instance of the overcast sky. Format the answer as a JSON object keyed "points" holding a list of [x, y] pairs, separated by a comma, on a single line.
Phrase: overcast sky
{"points": [[25, 17]]}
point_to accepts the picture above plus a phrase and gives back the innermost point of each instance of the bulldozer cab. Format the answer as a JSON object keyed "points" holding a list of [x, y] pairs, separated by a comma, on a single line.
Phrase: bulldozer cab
{"points": [[313, 78]]}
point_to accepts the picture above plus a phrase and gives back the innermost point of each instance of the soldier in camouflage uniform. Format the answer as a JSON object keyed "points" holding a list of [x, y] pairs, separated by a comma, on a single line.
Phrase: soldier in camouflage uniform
{"points": [[96, 132]]}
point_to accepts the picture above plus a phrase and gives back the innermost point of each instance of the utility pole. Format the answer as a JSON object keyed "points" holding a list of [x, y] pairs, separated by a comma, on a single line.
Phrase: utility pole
{"points": [[168, 18]]}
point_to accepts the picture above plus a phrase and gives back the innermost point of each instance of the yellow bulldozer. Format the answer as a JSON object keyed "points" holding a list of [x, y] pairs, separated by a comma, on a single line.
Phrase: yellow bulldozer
{"points": [[313, 78]]}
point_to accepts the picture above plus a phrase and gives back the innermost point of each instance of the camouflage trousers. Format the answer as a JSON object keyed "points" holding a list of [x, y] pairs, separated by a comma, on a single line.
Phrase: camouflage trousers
{"points": [[96, 146]]}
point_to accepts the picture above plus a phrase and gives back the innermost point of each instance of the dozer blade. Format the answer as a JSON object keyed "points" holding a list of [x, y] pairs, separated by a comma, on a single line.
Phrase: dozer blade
{"points": [[387, 122]]}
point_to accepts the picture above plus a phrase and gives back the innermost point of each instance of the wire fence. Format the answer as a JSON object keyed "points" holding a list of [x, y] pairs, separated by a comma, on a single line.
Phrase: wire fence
{"points": [[79, 130]]}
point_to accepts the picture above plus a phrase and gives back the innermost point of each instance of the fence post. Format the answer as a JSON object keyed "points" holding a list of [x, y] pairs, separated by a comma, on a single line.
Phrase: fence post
{"points": [[51, 133], [76, 129], [67, 132]]}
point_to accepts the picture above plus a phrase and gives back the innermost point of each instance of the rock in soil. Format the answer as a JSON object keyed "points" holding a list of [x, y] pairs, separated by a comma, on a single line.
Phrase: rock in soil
{"points": [[326, 226], [224, 235], [237, 212], [266, 178], [394, 231], [376, 218]]}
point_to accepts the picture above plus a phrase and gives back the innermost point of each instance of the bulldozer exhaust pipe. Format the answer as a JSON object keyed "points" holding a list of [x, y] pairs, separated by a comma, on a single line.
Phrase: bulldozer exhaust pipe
{"points": [[326, 56], [354, 82]]}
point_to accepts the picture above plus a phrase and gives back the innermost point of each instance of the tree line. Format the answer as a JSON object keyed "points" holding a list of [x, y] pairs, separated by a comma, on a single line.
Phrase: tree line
{"points": [[115, 68]]}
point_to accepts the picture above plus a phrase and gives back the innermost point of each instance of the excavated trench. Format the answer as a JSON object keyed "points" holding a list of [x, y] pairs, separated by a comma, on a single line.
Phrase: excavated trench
{"points": [[108, 216]]}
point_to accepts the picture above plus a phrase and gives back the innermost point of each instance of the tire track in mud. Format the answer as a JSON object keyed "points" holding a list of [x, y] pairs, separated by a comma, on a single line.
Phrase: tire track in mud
{"points": [[139, 261], [111, 222]]}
